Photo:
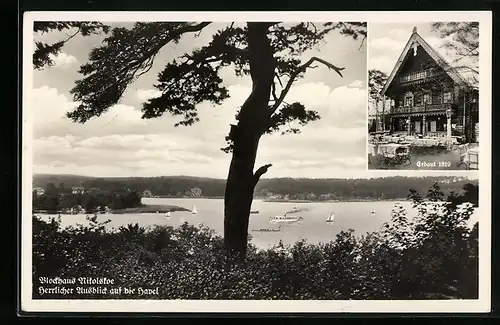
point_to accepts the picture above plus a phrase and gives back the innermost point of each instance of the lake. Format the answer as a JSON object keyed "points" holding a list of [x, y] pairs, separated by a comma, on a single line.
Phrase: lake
{"points": [[313, 227]]}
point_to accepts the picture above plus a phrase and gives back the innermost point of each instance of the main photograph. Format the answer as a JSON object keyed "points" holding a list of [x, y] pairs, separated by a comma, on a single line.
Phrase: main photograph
{"points": [[204, 160]]}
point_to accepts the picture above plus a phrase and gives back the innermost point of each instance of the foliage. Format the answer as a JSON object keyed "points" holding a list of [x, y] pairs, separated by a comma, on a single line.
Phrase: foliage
{"points": [[90, 202], [463, 42], [44, 53], [177, 186], [470, 193], [194, 77], [376, 81], [432, 256]]}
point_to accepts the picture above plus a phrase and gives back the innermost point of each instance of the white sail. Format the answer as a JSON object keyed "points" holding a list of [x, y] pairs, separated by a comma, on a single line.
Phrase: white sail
{"points": [[167, 215], [331, 217], [194, 211]]}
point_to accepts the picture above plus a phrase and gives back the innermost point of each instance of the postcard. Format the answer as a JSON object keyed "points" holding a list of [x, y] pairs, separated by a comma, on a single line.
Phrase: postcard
{"points": [[285, 162]]}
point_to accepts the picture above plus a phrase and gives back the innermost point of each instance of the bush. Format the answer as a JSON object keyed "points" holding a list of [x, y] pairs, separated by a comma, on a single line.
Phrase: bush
{"points": [[433, 256]]}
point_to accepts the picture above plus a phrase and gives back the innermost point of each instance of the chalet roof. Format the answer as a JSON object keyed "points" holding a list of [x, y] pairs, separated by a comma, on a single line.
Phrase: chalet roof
{"points": [[416, 39]]}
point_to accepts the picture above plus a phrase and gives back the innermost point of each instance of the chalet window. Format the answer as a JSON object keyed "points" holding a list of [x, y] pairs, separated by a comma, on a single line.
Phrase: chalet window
{"points": [[409, 99], [427, 98], [418, 99], [447, 97]]}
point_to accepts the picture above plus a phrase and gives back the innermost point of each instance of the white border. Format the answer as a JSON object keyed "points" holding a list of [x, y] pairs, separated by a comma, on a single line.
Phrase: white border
{"points": [[483, 304]]}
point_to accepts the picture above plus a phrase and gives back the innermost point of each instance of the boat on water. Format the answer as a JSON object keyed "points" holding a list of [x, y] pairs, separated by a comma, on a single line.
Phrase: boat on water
{"points": [[285, 219], [331, 217], [167, 215], [372, 211], [194, 211], [268, 229], [254, 212]]}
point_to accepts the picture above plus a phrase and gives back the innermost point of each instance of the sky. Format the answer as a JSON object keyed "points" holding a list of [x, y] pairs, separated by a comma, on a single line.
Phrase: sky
{"points": [[120, 143], [387, 41]]}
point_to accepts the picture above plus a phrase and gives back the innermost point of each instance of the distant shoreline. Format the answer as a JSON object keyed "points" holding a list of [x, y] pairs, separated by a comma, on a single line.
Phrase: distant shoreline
{"points": [[183, 197], [281, 200], [146, 208], [332, 201]]}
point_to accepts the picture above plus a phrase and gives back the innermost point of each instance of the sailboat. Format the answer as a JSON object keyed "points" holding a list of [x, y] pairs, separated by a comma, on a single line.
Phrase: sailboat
{"points": [[331, 217], [194, 211], [167, 215], [372, 211]]}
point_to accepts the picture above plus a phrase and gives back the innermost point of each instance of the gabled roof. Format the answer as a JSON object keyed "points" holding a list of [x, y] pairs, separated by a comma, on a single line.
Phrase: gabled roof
{"points": [[416, 39]]}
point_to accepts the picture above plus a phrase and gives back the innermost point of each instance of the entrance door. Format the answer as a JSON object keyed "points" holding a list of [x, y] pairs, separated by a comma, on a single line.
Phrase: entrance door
{"points": [[418, 127], [433, 126]]}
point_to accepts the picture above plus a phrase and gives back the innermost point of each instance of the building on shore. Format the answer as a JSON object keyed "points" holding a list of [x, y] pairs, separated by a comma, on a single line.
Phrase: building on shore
{"points": [[77, 190]]}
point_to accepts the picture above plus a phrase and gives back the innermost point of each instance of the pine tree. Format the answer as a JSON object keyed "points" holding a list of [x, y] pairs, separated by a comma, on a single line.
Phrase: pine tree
{"points": [[268, 52]]}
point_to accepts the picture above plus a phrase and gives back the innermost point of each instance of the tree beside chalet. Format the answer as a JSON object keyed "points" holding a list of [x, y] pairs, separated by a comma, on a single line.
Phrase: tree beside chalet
{"points": [[428, 96]]}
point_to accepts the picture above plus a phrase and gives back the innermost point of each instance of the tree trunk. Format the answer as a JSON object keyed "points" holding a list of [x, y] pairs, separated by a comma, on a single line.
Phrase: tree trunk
{"points": [[383, 114], [239, 196], [252, 121]]}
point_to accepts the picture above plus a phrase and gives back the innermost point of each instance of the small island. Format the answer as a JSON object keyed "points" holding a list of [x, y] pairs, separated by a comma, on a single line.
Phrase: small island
{"points": [[78, 200], [150, 208]]}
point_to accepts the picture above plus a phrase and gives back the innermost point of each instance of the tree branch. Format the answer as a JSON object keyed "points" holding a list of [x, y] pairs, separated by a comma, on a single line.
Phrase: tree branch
{"points": [[259, 172], [279, 80], [295, 74], [269, 24], [273, 92], [73, 35], [97, 91], [362, 42]]}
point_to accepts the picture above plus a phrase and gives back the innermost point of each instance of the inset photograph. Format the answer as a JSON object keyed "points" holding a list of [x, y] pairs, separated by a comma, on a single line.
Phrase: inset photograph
{"points": [[423, 96]]}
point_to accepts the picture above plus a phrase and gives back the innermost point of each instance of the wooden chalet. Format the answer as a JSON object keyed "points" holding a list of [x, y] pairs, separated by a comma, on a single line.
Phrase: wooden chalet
{"points": [[428, 96]]}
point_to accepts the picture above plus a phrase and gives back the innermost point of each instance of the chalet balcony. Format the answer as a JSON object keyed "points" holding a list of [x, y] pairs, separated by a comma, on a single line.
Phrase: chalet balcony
{"points": [[420, 109], [418, 76]]}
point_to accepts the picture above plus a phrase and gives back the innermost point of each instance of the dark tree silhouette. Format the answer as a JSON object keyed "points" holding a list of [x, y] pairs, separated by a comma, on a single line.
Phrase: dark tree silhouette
{"points": [[43, 51], [376, 81], [268, 52]]}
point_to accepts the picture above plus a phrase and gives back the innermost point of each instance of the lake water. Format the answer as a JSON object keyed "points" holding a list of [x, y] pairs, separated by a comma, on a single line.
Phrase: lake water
{"points": [[313, 227]]}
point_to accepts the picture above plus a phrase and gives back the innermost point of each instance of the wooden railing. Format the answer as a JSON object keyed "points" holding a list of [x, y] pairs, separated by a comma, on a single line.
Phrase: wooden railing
{"points": [[421, 108], [418, 75]]}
